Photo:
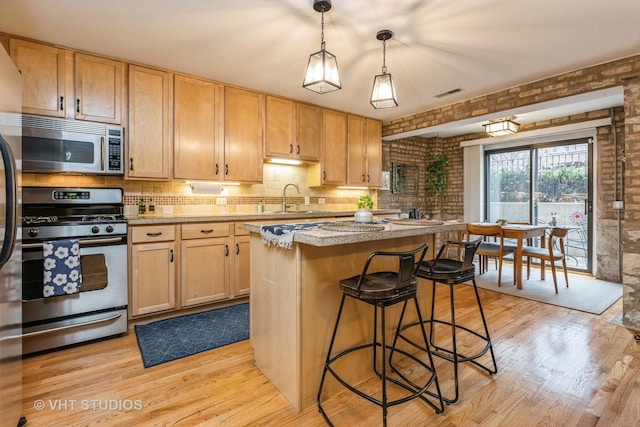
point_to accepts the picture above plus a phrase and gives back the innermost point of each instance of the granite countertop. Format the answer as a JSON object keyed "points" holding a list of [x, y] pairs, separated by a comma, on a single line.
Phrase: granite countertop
{"points": [[320, 237], [266, 216]]}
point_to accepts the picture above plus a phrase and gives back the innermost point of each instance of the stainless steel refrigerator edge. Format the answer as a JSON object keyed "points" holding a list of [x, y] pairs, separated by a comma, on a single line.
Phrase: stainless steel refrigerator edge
{"points": [[10, 238]]}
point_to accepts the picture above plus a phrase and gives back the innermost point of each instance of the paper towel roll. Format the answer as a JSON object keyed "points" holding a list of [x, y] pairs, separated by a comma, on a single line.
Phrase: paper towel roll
{"points": [[205, 188]]}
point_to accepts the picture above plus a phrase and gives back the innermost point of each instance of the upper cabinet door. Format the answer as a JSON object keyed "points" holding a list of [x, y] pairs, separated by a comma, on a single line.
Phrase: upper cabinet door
{"points": [[243, 133], [44, 77], [357, 170], [334, 150], [150, 123], [99, 88], [197, 153], [374, 153], [309, 132], [279, 134]]}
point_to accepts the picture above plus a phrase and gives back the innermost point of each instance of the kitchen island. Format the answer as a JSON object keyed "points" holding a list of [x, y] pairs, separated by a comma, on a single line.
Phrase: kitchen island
{"points": [[294, 300]]}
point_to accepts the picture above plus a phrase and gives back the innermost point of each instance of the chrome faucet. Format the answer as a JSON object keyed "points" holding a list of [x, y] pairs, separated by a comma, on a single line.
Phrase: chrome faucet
{"points": [[284, 196]]}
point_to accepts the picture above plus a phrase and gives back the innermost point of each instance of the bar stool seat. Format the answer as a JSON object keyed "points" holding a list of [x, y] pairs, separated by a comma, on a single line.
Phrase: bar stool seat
{"points": [[451, 272], [381, 290]]}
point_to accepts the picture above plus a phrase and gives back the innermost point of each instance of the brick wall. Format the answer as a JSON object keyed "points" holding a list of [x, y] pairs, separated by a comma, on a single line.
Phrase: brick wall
{"points": [[601, 76], [631, 236]]}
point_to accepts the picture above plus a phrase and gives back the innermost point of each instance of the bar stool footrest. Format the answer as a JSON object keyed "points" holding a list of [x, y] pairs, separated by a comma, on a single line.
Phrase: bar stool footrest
{"points": [[415, 390], [448, 352]]}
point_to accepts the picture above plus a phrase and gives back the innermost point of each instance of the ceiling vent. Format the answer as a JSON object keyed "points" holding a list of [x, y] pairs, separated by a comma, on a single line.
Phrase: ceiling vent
{"points": [[449, 92]]}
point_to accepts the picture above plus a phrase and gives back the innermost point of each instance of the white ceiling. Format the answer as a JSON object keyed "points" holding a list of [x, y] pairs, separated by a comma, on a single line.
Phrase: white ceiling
{"points": [[480, 46]]}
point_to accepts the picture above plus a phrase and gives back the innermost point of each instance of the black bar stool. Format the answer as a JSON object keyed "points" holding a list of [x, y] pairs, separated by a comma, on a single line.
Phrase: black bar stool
{"points": [[381, 290], [452, 272]]}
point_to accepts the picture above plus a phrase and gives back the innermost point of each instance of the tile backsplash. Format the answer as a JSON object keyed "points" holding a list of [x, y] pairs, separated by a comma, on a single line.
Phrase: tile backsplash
{"points": [[177, 197]]}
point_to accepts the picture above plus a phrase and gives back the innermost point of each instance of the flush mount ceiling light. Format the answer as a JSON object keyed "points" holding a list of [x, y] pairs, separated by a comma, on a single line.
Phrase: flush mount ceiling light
{"points": [[502, 127], [383, 94], [322, 71]]}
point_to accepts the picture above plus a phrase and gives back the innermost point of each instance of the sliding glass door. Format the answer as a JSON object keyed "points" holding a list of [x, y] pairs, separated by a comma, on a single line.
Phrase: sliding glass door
{"points": [[545, 184]]}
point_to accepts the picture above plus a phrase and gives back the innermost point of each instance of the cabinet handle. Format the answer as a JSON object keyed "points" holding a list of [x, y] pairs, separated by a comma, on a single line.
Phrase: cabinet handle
{"points": [[154, 234], [62, 103], [290, 148], [237, 248], [210, 230], [226, 250], [324, 175], [130, 163], [171, 255], [226, 169], [368, 178], [102, 153], [216, 169], [363, 178], [77, 105], [298, 149]]}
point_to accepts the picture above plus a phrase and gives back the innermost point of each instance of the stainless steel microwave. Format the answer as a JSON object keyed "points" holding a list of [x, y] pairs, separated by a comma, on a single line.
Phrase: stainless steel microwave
{"points": [[60, 145]]}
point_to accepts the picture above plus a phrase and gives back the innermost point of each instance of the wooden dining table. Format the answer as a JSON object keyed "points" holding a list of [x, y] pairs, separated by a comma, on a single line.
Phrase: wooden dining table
{"points": [[521, 232]]}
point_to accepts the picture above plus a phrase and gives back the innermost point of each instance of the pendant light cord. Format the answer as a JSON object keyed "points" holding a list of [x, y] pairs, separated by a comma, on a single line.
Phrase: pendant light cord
{"points": [[384, 56], [322, 29]]}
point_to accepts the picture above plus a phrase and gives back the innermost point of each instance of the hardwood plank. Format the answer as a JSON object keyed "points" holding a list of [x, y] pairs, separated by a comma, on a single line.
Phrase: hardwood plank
{"points": [[555, 367]]}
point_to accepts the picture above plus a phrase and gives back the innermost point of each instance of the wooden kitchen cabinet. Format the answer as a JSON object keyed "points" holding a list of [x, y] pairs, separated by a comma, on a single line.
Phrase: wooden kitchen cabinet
{"points": [[280, 139], [332, 169], [46, 77], [197, 144], [55, 84], [241, 261], [309, 131], [152, 271], [292, 130], [99, 88], [205, 263], [150, 131], [243, 135], [364, 151], [374, 153]]}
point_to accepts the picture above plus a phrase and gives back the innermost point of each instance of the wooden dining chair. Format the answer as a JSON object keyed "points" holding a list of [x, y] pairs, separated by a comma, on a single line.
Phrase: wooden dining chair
{"points": [[490, 249], [550, 253]]}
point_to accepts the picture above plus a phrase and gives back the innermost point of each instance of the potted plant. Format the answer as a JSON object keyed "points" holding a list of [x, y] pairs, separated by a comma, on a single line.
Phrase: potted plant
{"points": [[437, 178], [364, 214]]}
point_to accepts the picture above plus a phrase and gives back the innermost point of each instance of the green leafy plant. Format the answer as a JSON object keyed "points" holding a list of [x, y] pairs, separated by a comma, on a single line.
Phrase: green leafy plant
{"points": [[436, 177], [365, 201]]}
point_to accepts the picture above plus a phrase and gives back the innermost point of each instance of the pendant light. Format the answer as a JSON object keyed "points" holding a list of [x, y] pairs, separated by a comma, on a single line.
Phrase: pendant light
{"points": [[383, 94], [322, 71]]}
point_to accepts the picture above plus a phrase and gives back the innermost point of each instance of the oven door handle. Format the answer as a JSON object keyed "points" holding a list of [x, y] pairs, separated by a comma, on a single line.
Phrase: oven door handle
{"points": [[11, 201], [82, 242], [75, 325]]}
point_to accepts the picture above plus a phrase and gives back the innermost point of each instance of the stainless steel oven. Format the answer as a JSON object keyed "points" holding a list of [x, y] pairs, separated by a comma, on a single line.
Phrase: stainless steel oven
{"points": [[94, 217]]}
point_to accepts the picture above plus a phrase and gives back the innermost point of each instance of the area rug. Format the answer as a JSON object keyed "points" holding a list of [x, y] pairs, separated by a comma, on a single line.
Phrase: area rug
{"points": [[584, 293], [178, 337]]}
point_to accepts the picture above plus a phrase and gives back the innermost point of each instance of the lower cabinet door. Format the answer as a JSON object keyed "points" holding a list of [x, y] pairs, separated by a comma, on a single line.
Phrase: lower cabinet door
{"points": [[204, 274], [241, 266], [152, 278]]}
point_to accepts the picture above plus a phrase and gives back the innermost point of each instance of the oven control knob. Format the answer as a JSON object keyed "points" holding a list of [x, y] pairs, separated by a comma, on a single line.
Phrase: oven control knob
{"points": [[33, 232], [109, 229], [95, 229]]}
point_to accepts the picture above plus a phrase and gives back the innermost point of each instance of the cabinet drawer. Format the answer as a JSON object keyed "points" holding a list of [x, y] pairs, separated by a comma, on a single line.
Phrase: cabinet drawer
{"points": [[239, 231], [153, 233], [205, 230]]}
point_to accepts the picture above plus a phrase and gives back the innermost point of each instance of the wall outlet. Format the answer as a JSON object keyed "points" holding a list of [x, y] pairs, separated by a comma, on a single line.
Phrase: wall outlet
{"points": [[321, 201], [306, 200], [221, 200], [618, 204]]}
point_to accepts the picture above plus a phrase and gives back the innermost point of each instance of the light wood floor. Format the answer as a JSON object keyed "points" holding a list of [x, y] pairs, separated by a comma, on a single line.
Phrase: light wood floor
{"points": [[557, 367]]}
